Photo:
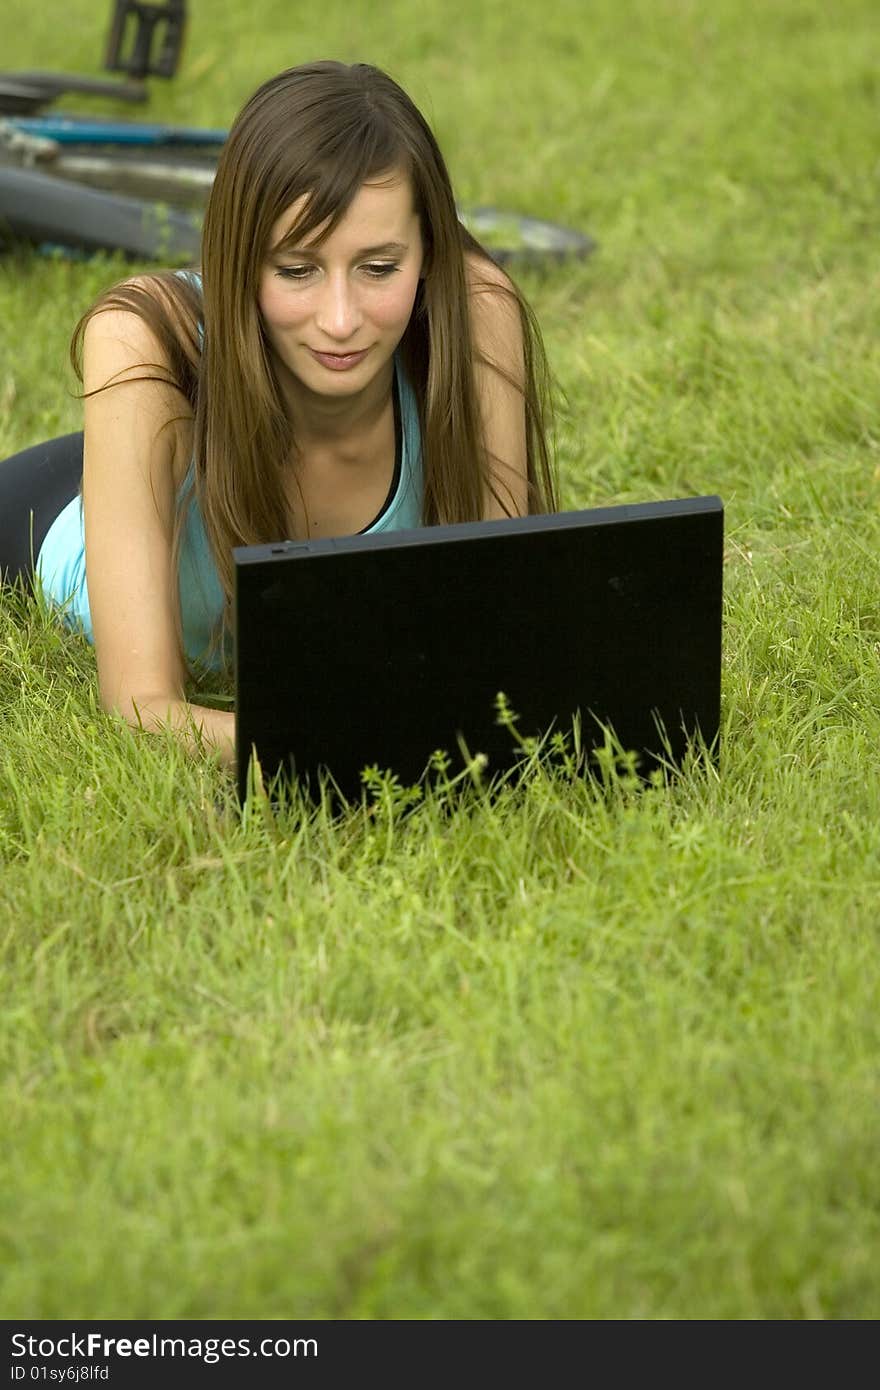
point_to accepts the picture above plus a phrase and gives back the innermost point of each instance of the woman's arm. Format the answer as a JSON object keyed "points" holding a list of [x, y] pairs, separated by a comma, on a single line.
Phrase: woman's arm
{"points": [[137, 434], [500, 379]]}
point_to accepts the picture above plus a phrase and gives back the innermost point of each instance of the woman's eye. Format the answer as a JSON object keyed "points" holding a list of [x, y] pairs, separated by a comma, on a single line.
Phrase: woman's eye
{"points": [[374, 270]]}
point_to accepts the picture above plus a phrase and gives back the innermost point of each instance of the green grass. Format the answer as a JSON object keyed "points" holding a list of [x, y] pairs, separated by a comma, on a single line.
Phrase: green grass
{"points": [[572, 1053]]}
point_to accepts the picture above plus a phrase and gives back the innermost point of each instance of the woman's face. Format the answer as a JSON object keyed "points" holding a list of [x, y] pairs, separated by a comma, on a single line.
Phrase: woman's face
{"points": [[335, 313]]}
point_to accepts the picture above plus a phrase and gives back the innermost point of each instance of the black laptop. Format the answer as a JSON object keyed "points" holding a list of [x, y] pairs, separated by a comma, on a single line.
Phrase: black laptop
{"points": [[377, 650]]}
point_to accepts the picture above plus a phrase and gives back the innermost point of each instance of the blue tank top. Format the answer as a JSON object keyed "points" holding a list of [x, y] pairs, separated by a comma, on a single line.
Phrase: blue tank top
{"points": [[61, 561]]}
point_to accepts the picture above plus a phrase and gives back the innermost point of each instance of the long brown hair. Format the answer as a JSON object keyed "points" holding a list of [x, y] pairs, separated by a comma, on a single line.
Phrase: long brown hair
{"points": [[322, 130]]}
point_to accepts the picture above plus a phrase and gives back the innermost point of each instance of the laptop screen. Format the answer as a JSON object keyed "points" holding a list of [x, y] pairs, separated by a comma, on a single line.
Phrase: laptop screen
{"points": [[379, 650]]}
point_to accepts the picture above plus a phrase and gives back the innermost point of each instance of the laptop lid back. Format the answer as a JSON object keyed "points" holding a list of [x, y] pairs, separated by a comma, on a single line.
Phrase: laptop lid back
{"points": [[379, 650]]}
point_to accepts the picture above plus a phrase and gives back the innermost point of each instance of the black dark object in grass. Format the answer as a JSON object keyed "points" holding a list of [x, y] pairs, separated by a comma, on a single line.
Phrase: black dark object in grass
{"points": [[38, 208], [514, 239], [173, 167], [71, 201]]}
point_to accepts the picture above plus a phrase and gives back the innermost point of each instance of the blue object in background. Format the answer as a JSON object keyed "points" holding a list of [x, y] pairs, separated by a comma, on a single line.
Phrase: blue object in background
{"points": [[69, 130]]}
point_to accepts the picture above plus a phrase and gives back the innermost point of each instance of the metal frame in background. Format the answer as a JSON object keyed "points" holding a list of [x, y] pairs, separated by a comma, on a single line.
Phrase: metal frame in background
{"points": [[145, 40], [88, 184]]}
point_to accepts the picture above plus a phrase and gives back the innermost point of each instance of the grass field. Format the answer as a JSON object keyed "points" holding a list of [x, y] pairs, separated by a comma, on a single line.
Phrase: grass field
{"points": [[568, 1054]]}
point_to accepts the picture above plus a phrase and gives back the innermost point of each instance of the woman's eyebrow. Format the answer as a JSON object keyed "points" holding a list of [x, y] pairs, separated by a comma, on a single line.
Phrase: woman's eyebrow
{"points": [[388, 248]]}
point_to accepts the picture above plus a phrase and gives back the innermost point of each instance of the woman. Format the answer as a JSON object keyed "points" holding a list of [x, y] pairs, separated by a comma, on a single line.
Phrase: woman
{"points": [[349, 360]]}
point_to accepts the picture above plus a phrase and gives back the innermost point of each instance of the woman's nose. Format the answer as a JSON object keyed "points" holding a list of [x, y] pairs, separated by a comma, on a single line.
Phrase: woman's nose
{"points": [[338, 314]]}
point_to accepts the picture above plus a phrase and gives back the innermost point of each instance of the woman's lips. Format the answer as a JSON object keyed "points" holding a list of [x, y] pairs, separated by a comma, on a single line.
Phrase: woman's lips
{"points": [[339, 361]]}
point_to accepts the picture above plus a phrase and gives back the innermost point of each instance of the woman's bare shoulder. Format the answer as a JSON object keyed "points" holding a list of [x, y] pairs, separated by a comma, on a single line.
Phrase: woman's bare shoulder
{"points": [[487, 276], [125, 321], [496, 319], [124, 357]]}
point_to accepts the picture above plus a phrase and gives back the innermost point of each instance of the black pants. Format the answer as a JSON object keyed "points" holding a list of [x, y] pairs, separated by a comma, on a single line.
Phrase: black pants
{"points": [[39, 482]]}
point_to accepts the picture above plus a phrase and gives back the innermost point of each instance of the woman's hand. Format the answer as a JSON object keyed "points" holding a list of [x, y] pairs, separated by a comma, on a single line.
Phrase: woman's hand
{"points": [[200, 728]]}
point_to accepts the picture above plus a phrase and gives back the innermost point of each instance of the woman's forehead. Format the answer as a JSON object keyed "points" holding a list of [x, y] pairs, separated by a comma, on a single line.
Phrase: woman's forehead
{"points": [[382, 210]]}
